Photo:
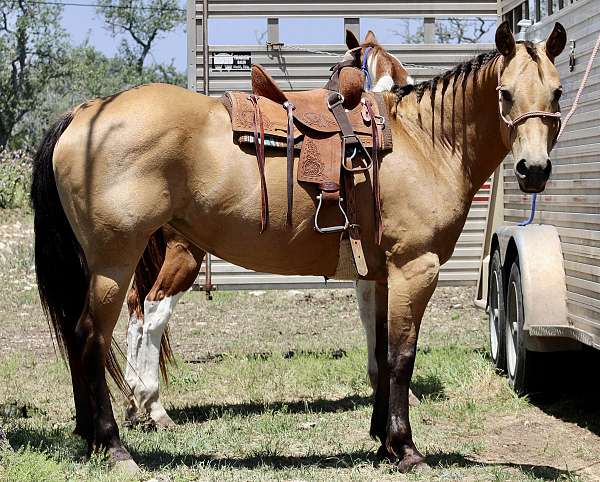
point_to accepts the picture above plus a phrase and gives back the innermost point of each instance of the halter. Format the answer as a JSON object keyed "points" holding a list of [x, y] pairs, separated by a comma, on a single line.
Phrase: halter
{"points": [[365, 68], [527, 115]]}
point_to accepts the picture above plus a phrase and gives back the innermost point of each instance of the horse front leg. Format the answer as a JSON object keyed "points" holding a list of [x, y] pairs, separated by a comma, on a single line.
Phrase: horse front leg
{"points": [[410, 286]]}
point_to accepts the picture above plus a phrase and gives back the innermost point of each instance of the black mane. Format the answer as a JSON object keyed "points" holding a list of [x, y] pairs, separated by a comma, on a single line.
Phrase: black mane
{"points": [[470, 66]]}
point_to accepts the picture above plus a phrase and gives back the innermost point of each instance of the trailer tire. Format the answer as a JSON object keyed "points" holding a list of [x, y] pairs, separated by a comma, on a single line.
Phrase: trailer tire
{"points": [[521, 364], [496, 313]]}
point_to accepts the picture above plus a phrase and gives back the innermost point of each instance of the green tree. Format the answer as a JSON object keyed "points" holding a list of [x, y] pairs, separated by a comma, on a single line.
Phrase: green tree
{"points": [[33, 47], [142, 22]]}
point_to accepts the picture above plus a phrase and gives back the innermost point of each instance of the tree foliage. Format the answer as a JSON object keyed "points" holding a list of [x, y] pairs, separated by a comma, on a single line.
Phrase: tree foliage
{"points": [[450, 31], [32, 49], [42, 75], [142, 22]]}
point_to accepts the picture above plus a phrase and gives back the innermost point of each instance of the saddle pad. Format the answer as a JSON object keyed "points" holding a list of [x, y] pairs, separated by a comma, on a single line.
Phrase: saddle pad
{"points": [[274, 142]]}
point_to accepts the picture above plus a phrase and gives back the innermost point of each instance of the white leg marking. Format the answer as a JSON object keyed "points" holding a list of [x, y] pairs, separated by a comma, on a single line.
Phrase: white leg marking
{"points": [[410, 80], [156, 316], [365, 293], [134, 340], [384, 84]]}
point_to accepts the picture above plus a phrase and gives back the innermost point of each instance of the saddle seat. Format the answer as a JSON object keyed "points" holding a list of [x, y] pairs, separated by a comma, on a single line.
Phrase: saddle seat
{"points": [[351, 82]]}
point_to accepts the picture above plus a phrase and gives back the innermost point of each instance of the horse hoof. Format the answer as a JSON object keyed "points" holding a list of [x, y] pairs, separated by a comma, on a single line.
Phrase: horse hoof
{"points": [[164, 422], [414, 461], [121, 461], [125, 467]]}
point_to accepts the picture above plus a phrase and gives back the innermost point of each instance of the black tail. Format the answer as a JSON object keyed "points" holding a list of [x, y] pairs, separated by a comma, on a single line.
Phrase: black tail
{"points": [[145, 276], [60, 265]]}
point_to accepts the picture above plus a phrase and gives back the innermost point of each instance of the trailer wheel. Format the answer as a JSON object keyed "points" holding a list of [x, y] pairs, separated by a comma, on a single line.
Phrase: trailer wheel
{"points": [[520, 362], [496, 313]]}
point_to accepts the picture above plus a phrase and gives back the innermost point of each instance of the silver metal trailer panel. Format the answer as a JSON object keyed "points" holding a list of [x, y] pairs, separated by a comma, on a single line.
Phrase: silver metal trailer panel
{"points": [[571, 201]]}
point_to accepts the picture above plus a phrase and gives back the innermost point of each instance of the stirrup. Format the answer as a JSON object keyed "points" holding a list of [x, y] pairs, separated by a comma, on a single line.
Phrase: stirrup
{"points": [[367, 161], [331, 229]]}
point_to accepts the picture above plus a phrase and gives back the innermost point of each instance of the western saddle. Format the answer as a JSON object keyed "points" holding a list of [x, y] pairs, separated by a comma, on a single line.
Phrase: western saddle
{"points": [[339, 131]]}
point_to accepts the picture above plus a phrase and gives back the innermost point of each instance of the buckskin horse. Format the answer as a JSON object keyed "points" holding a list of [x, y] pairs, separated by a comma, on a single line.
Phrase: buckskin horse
{"points": [[171, 263], [112, 171]]}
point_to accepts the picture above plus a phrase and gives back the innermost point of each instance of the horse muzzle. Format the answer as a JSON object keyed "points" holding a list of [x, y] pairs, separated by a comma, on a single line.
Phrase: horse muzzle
{"points": [[533, 175]]}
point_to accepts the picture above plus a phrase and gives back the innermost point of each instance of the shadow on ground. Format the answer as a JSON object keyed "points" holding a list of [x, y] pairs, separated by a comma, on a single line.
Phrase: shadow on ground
{"points": [[454, 459], [157, 459], [60, 440], [428, 386], [202, 413], [47, 440], [569, 389]]}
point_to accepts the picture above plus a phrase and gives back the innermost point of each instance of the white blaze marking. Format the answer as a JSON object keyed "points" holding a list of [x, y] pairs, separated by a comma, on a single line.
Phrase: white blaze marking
{"points": [[156, 316]]}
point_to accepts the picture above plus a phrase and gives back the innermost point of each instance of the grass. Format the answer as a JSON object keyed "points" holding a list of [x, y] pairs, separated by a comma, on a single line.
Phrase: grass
{"points": [[273, 387], [281, 418]]}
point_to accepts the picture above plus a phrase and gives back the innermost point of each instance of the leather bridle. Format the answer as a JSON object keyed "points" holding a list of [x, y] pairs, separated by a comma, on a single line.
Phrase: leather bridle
{"points": [[512, 123]]}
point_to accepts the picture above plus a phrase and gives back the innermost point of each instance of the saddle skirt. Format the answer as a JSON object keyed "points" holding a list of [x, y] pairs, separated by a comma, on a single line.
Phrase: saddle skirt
{"points": [[316, 131]]}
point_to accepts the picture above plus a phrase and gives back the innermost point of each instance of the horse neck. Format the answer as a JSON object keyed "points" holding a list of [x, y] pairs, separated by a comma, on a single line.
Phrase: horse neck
{"points": [[460, 129]]}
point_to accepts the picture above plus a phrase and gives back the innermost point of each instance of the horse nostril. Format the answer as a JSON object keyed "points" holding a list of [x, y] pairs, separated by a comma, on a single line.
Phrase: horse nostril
{"points": [[548, 169], [521, 169]]}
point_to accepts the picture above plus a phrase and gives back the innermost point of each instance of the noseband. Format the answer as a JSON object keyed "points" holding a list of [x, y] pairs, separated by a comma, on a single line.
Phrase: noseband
{"points": [[511, 123]]}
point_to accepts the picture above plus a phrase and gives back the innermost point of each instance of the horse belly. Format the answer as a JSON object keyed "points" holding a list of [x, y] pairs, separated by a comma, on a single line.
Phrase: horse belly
{"points": [[224, 216]]}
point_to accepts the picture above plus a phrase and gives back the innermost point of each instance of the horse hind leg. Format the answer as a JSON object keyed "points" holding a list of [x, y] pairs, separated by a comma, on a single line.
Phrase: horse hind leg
{"points": [[365, 294], [110, 273], [145, 276], [182, 261]]}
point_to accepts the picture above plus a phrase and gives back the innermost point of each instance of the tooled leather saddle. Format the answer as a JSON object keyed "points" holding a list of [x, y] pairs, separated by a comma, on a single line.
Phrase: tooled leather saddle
{"points": [[339, 131]]}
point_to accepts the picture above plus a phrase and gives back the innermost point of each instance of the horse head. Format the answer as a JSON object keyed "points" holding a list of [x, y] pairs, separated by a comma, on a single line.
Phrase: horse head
{"points": [[529, 90], [382, 69]]}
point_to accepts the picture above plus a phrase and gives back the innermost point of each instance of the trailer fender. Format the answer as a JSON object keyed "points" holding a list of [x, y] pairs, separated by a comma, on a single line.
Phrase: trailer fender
{"points": [[542, 272]]}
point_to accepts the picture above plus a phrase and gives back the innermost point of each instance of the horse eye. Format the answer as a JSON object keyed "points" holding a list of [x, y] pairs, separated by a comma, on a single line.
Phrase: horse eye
{"points": [[506, 95], [557, 94]]}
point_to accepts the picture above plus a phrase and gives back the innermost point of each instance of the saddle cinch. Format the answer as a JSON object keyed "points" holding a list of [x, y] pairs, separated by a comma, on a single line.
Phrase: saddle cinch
{"points": [[339, 131]]}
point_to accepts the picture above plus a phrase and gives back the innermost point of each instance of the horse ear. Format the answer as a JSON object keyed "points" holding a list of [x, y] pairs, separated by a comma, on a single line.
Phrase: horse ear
{"points": [[351, 40], [370, 38], [556, 41], [505, 42]]}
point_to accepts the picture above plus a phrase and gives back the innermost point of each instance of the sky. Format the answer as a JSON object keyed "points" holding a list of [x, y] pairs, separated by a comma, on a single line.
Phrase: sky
{"points": [[83, 22]]}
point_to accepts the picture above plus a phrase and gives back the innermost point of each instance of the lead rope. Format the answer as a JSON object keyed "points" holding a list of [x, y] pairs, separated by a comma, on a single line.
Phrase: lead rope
{"points": [[566, 121]]}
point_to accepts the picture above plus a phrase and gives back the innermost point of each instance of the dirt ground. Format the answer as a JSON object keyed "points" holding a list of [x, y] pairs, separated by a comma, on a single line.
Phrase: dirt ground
{"points": [[470, 425]]}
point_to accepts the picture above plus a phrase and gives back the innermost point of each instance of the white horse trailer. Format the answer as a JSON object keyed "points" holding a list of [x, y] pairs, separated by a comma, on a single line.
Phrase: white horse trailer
{"points": [[540, 283]]}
